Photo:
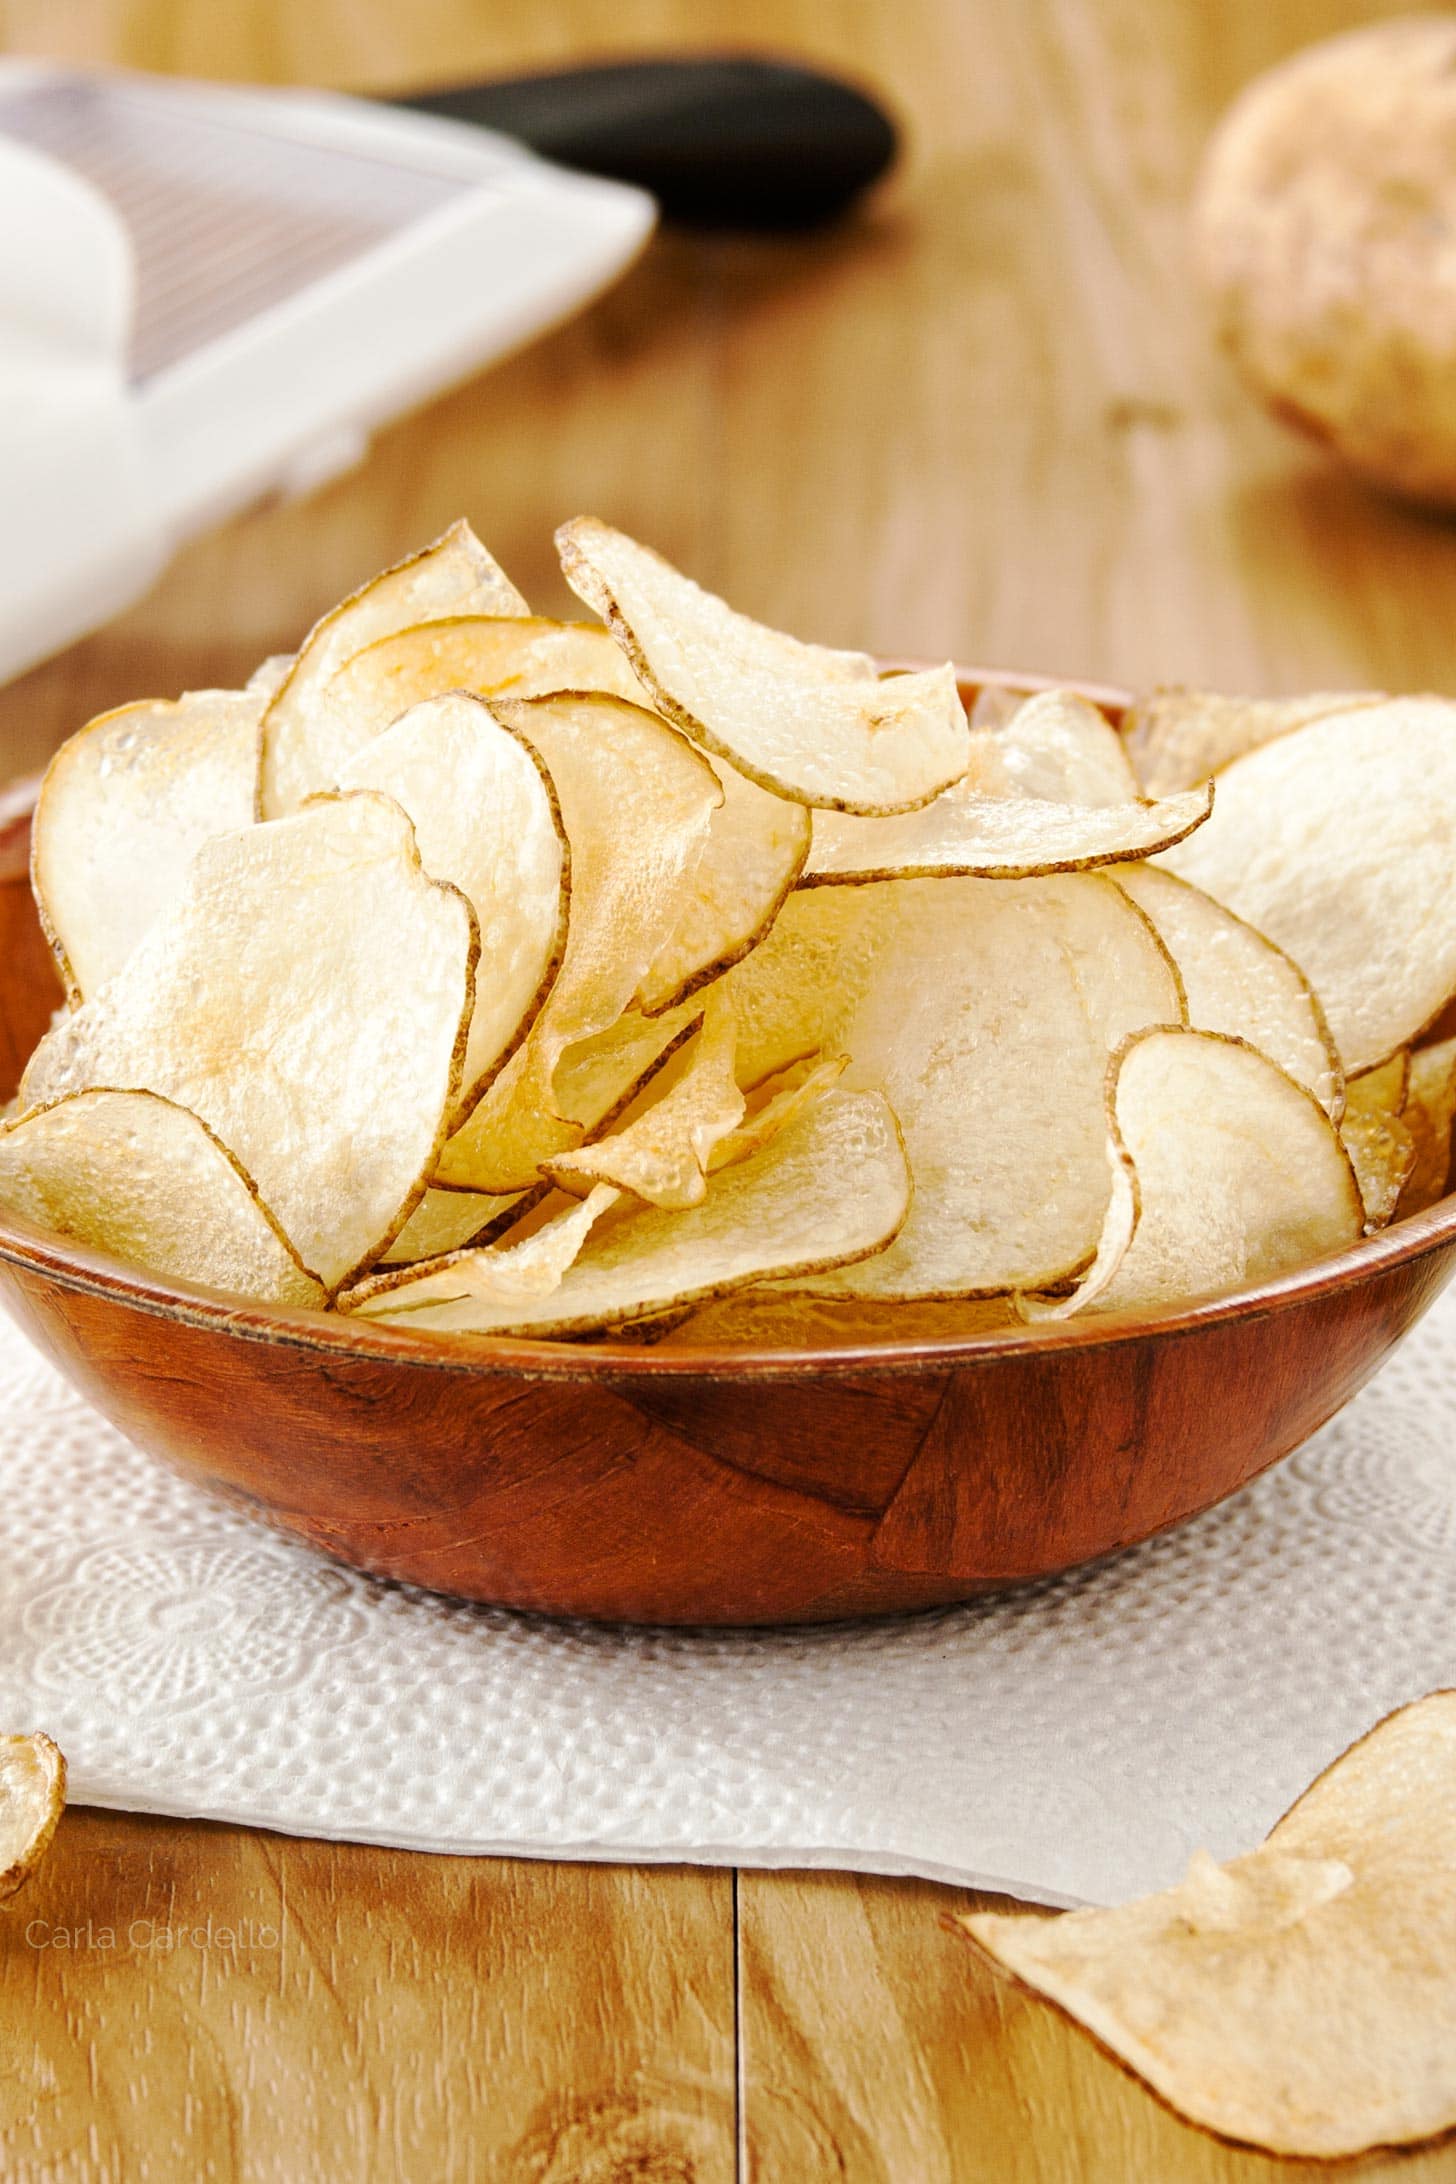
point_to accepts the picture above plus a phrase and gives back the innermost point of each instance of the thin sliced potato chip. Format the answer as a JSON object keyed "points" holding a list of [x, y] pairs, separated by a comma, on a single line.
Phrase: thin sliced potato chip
{"points": [[756, 847], [515, 1275], [269, 676], [1428, 1113], [832, 1186], [817, 726], [1055, 746], [1177, 737], [450, 1221], [1237, 1173], [1239, 982], [133, 1174], [32, 1799], [124, 807], [486, 818], [489, 655], [1382, 1150], [986, 1010], [455, 576], [636, 799], [775, 1105], [307, 995], [663, 1156], [1301, 1998], [997, 837], [1335, 841]]}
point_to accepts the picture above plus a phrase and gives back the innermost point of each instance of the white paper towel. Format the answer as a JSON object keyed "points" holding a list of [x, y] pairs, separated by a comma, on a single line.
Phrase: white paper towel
{"points": [[1071, 1741]]}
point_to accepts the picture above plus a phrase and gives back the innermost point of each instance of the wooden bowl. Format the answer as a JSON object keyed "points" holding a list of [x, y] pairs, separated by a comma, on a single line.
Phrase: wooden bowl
{"points": [[711, 1486]]}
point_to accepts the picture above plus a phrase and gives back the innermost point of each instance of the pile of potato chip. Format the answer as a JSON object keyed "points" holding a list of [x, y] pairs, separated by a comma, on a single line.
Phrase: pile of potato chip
{"points": [[667, 975]]}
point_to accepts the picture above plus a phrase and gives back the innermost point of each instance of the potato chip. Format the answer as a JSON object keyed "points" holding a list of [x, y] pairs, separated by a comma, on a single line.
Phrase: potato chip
{"points": [[455, 576], [489, 655], [32, 1799], [986, 1010], [663, 1155], [449, 1221], [269, 676], [1054, 746], [1237, 1174], [514, 1275], [486, 818], [1177, 737], [307, 995], [636, 799], [775, 1103], [817, 726], [122, 810], [1239, 982], [136, 1175], [771, 1319], [1335, 842], [1382, 1150], [830, 1187], [1301, 1998], [1428, 1113], [756, 847], [996, 837]]}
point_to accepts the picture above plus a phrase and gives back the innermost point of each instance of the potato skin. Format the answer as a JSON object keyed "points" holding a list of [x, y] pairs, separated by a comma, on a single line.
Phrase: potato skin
{"points": [[1325, 231]]}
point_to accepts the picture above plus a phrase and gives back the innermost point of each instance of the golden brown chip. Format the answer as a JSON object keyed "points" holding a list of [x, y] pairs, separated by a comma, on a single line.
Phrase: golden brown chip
{"points": [[1232, 1174], [1381, 1148], [1177, 737], [1239, 982], [663, 1156], [490, 655], [635, 799], [1334, 841], [986, 1010], [817, 726], [307, 995], [1301, 1998], [831, 1186], [32, 1799], [1428, 1112], [133, 1174], [122, 810], [455, 576], [486, 818]]}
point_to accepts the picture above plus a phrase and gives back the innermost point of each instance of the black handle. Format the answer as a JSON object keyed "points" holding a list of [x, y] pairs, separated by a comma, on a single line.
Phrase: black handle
{"points": [[720, 142]]}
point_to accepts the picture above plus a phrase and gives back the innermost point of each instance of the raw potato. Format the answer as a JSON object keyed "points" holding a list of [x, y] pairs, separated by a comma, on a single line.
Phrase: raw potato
{"points": [[1239, 982], [997, 837], [635, 799], [1322, 222], [1054, 746], [986, 1010], [307, 995], [755, 851], [486, 818], [663, 1156], [454, 576], [1177, 737], [818, 726], [1236, 1174], [32, 1799], [1301, 1998], [1430, 1107], [785, 1207], [488, 655], [1335, 841], [135, 1175], [123, 808], [1381, 1148]]}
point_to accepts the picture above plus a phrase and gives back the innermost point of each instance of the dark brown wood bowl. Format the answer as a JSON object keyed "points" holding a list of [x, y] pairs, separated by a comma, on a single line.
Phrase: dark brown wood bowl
{"points": [[698, 1485]]}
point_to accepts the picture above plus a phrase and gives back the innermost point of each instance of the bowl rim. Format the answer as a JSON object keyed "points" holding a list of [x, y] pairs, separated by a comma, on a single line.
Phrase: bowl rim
{"points": [[80, 1269]]}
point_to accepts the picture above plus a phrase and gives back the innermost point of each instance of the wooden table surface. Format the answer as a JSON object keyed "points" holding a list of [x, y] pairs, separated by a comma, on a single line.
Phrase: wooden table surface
{"points": [[983, 419]]}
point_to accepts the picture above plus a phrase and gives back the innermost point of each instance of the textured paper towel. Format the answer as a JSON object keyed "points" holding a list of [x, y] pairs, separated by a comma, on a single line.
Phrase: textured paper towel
{"points": [[1071, 1741]]}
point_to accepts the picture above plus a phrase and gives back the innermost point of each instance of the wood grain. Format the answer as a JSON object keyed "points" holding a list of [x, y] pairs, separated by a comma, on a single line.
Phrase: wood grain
{"points": [[982, 420]]}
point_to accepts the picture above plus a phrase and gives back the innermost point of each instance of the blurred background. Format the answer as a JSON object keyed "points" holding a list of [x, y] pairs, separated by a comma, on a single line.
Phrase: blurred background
{"points": [[983, 415]]}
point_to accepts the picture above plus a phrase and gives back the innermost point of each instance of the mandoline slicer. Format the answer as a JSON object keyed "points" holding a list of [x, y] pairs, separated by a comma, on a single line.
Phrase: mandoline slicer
{"points": [[210, 294]]}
